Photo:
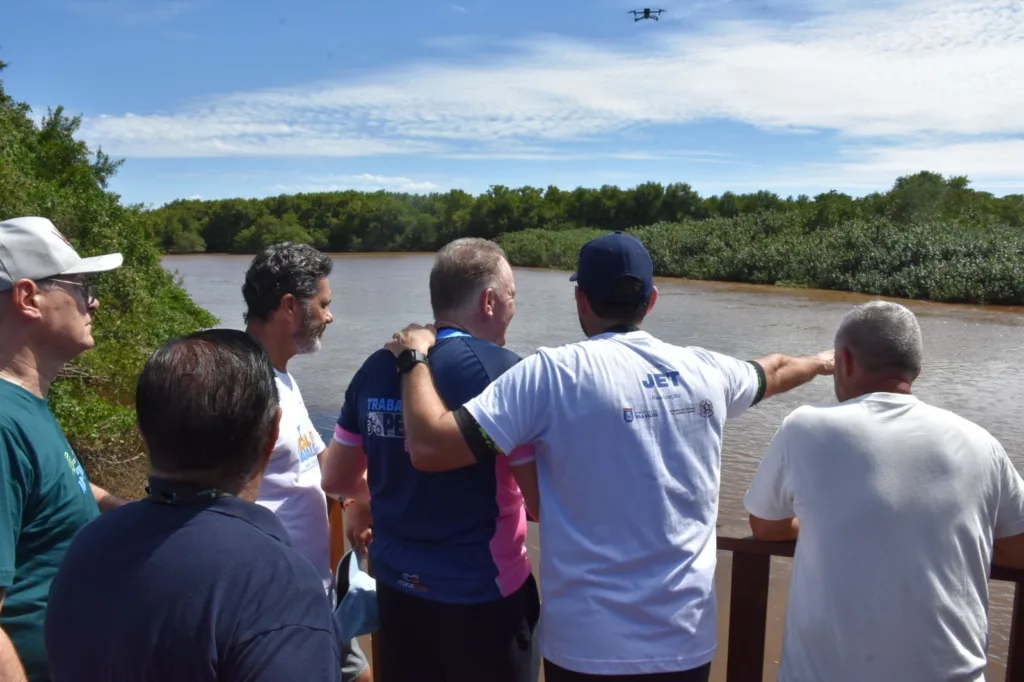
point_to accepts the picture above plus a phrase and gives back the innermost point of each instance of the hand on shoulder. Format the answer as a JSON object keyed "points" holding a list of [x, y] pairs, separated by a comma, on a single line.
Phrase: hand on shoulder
{"points": [[413, 337]]}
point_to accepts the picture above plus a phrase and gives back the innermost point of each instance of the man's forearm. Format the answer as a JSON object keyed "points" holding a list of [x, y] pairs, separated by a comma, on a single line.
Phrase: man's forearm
{"points": [[11, 669], [785, 530], [784, 373], [359, 491], [435, 441], [105, 500], [422, 406]]}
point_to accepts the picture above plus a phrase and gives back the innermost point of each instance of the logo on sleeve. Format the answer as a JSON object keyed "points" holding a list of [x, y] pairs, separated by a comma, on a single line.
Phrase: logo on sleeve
{"points": [[77, 470], [707, 409], [627, 414]]}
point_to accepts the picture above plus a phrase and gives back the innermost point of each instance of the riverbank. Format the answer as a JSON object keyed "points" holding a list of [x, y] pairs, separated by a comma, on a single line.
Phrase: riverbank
{"points": [[948, 261]]}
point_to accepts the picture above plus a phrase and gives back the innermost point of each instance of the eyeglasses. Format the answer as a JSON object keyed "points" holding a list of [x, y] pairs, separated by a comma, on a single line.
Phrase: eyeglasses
{"points": [[89, 291]]}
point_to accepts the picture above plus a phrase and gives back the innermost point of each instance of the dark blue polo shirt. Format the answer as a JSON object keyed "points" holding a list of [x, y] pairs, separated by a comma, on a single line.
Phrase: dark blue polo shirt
{"points": [[454, 536], [210, 591]]}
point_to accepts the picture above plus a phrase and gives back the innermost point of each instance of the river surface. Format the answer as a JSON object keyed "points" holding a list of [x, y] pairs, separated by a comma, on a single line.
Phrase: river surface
{"points": [[971, 362]]}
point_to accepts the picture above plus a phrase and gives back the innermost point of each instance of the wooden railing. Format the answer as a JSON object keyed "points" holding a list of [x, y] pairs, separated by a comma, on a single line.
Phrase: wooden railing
{"points": [[748, 608], [748, 601]]}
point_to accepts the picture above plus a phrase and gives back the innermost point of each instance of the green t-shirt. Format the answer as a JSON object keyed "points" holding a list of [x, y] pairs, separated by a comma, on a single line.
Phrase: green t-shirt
{"points": [[45, 498]]}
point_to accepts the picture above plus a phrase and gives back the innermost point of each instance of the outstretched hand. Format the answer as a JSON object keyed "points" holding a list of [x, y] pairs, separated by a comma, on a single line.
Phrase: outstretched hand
{"points": [[413, 337]]}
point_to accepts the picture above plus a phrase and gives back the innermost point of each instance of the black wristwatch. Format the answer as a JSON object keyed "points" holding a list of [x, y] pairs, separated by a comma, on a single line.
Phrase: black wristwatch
{"points": [[408, 359]]}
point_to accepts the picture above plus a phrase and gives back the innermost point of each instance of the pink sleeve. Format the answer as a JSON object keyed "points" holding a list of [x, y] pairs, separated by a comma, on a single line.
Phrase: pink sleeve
{"points": [[524, 454], [347, 437]]}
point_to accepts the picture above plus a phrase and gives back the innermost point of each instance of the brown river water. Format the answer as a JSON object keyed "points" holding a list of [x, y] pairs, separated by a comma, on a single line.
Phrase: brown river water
{"points": [[971, 366]]}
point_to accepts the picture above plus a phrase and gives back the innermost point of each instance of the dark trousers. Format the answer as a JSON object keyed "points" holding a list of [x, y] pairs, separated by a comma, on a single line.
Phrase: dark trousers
{"points": [[428, 641], [553, 673]]}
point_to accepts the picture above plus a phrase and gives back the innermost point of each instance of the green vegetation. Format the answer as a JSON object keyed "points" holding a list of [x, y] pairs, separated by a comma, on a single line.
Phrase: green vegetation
{"points": [[951, 261], [45, 171], [927, 237]]}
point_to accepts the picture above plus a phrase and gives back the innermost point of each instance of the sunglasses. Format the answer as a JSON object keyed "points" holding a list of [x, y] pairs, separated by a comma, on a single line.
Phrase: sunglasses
{"points": [[89, 292]]}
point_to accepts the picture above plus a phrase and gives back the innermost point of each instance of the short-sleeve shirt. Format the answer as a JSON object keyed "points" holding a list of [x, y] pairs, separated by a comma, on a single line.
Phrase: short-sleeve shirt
{"points": [[291, 486], [455, 536], [206, 592], [45, 498], [899, 503], [627, 433]]}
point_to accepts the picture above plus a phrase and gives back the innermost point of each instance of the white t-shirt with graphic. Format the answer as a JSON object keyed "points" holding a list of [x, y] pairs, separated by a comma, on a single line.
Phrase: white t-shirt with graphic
{"points": [[627, 432], [291, 487], [898, 503]]}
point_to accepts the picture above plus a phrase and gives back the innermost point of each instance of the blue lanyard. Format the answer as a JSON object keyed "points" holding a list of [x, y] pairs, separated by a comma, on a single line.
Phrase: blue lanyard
{"points": [[448, 332]]}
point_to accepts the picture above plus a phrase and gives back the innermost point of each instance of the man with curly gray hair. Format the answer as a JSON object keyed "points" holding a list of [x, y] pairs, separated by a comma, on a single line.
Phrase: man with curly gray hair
{"points": [[288, 298]]}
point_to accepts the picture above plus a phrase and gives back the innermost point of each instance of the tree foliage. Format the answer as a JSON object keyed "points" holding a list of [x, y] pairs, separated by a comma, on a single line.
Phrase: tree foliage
{"points": [[927, 237], [45, 171], [950, 261]]}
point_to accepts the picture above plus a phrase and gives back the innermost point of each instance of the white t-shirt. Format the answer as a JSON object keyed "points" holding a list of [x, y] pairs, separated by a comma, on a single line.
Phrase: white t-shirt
{"points": [[627, 432], [291, 487], [898, 503]]}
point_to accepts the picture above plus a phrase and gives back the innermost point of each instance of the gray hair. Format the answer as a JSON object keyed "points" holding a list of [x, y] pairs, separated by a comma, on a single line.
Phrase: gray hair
{"points": [[462, 270], [882, 336]]}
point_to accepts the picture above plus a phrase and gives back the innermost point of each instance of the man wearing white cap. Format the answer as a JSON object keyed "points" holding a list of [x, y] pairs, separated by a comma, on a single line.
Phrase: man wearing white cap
{"points": [[45, 496]]}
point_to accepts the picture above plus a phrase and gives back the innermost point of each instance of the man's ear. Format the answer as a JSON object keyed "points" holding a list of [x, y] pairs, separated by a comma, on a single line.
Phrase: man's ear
{"points": [[289, 304], [487, 301], [652, 300], [24, 298], [582, 304], [845, 361], [275, 431]]}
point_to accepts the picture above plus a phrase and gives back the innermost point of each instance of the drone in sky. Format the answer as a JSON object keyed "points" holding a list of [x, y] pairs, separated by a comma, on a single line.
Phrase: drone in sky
{"points": [[645, 13]]}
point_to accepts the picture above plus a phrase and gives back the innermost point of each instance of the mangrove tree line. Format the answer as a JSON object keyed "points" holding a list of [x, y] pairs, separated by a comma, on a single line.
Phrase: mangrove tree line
{"points": [[927, 237]]}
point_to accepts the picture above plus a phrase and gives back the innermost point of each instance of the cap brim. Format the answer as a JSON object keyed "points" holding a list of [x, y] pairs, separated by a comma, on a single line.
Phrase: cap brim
{"points": [[86, 266], [574, 276]]}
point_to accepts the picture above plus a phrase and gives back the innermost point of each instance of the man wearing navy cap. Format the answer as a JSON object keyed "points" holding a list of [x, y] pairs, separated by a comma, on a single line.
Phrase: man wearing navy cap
{"points": [[627, 587]]}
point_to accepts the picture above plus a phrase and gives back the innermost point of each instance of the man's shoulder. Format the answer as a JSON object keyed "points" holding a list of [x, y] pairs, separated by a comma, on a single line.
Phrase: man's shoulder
{"points": [[28, 433], [379, 365], [468, 354], [207, 550], [376, 362], [258, 534], [820, 414], [943, 418]]}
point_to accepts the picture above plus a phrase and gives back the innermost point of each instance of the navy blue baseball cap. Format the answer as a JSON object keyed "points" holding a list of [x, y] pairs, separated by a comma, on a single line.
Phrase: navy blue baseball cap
{"points": [[605, 260]]}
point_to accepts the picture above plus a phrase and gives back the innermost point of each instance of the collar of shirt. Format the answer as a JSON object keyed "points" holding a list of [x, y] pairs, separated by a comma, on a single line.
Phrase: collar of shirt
{"points": [[220, 503]]}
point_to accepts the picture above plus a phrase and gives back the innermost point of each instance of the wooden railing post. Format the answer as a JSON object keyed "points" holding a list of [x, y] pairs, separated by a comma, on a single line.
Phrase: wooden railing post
{"points": [[748, 616], [1015, 656]]}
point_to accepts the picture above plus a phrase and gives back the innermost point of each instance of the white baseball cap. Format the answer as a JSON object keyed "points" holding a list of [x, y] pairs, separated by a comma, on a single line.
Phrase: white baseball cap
{"points": [[32, 248]]}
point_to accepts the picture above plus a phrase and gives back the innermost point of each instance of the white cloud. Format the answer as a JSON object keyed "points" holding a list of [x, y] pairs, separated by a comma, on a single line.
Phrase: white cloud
{"points": [[362, 182], [993, 165], [915, 75], [459, 8], [236, 132]]}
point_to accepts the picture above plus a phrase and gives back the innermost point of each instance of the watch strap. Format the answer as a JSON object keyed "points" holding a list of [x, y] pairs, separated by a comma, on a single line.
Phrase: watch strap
{"points": [[409, 358]]}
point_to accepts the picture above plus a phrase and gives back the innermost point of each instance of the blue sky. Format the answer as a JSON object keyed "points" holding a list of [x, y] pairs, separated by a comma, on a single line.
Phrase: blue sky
{"points": [[215, 99]]}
